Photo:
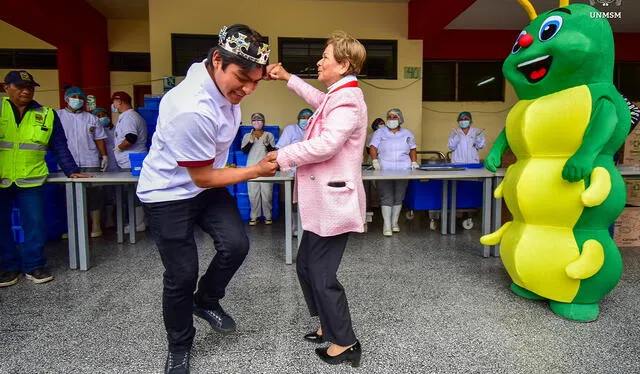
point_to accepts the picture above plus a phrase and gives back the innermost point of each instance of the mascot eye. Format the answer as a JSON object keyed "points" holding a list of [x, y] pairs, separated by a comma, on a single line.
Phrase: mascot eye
{"points": [[516, 46], [550, 28]]}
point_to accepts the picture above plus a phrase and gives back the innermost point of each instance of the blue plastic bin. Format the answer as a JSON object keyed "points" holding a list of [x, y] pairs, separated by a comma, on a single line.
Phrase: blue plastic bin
{"points": [[152, 102], [424, 195], [136, 160]]}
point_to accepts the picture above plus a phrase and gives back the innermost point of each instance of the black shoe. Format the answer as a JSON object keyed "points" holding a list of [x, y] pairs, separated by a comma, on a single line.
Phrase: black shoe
{"points": [[217, 318], [9, 278], [352, 354], [314, 337], [39, 276], [177, 363]]}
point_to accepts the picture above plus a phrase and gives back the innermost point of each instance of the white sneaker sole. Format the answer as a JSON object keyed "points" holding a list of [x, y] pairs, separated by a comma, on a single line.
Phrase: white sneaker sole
{"points": [[39, 281]]}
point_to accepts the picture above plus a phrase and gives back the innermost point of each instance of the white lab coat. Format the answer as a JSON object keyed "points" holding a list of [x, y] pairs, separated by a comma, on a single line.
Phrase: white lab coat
{"points": [[111, 144], [465, 147], [260, 194], [291, 134], [82, 129], [130, 122]]}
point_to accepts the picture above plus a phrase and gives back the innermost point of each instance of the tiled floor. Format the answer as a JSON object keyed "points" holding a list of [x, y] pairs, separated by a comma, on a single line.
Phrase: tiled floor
{"points": [[420, 302]]}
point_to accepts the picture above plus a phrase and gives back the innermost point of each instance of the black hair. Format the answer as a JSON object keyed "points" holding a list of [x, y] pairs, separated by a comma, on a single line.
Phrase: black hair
{"points": [[377, 123], [255, 41]]}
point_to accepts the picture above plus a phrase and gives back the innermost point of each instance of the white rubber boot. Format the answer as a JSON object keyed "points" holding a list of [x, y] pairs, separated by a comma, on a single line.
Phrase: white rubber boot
{"points": [[140, 225], [96, 231], [386, 219], [395, 214]]}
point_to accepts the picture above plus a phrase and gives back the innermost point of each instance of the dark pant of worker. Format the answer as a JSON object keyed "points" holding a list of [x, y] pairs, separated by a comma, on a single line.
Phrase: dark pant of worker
{"points": [[172, 224], [29, 255], [317, 264]]}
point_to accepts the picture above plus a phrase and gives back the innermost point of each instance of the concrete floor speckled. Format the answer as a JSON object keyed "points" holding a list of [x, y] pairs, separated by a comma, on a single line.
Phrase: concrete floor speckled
{"points": [[421, 303]]}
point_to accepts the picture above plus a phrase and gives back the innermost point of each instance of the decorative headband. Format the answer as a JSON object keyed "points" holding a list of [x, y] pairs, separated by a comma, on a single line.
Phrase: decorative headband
{"points": [[238, 45]]}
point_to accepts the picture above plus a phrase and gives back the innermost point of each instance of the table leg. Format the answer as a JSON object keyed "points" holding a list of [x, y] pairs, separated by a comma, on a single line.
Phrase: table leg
{"points": [[445, 202], [452, 213], [119, 214], [72, 230], [486, 212], [288, 235], [82, 224], [497, 217], [131, 192]]}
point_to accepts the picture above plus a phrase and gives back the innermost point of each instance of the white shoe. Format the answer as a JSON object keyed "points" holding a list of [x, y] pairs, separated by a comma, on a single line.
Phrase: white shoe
{"points": [[139, 228], [395, 215], [433, 225], [386, 220]]}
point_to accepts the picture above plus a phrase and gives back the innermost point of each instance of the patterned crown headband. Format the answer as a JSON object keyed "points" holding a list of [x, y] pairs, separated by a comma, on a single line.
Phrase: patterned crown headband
{"points": [[238, 45]]}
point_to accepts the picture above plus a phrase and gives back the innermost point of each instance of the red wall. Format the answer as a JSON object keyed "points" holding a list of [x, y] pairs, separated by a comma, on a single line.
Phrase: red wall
{"points": [[78, 31]]}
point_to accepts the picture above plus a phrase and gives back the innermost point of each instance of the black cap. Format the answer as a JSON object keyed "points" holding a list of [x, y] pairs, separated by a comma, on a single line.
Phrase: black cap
{"points": [[20, 77]]}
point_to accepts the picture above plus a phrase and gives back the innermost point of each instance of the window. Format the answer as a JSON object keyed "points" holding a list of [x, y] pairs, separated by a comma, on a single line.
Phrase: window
{"points": [[129, 61], [188, 48], [462, 81], [28, 59], [627, 79], [300, 55]]}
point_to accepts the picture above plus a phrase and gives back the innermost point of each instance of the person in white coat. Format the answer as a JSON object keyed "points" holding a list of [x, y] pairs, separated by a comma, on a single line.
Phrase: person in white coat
{"points": [[86, 142], [465, 141], [294, 132], [392, 148], [257, 144], [290, 135], [130, 137], [109, 191]]}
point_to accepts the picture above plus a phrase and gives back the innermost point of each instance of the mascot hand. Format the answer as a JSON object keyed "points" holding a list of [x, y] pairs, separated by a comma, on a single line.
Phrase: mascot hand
{"points": [[493, 160], [577, 168]]}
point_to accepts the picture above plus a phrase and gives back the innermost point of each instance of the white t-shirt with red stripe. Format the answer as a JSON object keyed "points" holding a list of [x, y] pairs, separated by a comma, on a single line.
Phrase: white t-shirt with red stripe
{"points": [[196, 126]]}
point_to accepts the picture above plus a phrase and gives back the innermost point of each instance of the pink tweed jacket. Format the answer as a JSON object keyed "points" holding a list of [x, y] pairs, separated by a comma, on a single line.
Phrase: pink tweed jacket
{"points": [[331, 151]]}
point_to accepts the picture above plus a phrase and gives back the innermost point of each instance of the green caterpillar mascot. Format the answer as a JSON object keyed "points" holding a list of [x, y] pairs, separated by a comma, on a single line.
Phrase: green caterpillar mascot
{"points": [[564, 190]]}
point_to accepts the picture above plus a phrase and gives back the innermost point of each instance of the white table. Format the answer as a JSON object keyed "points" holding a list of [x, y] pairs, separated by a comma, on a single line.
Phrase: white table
{"points": [[77, 222], [447, 176]]}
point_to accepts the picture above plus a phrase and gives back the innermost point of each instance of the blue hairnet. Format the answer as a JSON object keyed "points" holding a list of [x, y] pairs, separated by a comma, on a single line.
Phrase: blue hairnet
{"points": [[98, 110], [304, 112], [464, 114], [74, 91]]}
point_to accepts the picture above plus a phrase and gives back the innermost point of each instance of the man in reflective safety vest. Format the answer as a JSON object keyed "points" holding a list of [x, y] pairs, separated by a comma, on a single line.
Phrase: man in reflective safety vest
{"points": [[27, 131]]}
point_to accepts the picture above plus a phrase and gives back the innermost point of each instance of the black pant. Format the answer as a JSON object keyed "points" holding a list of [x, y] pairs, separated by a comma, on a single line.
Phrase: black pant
{"points": [[172, 223], [317, 264]]}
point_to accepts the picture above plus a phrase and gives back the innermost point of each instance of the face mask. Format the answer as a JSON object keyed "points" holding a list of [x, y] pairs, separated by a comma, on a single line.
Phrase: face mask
{"points": [[464, 124], [302, 123], [393, 123], [75, 104], [256, 124], [104, 121]]}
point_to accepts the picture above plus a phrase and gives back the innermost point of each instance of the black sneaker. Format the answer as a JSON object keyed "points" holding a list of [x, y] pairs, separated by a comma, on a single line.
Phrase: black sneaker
{"points": [[177, 363], [217, 318], [9, 278], [39, 276]]}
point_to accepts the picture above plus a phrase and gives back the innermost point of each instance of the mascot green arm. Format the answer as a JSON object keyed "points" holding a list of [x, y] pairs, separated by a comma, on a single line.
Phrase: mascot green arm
{"points": [[599, 131], [495, 155]]}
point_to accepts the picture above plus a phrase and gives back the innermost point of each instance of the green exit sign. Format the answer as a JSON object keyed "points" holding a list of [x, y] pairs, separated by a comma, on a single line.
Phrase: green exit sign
{"points": [[411, 72]]}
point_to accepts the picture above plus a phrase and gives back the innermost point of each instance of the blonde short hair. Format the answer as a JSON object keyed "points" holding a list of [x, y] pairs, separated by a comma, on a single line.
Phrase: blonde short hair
{"points": [[347, 48]]}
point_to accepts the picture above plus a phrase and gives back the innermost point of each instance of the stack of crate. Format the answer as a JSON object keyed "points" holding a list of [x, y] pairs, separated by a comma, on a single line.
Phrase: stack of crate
{"points": [[627, 226]]}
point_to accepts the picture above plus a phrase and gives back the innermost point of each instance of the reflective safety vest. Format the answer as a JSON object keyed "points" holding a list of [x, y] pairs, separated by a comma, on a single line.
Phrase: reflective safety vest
{"points": [[22, 148]]}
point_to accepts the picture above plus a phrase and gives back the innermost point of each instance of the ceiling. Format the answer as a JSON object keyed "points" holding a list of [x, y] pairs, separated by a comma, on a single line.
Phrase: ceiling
{"points": [[509, 15], [122, 9], [481, 15]]}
